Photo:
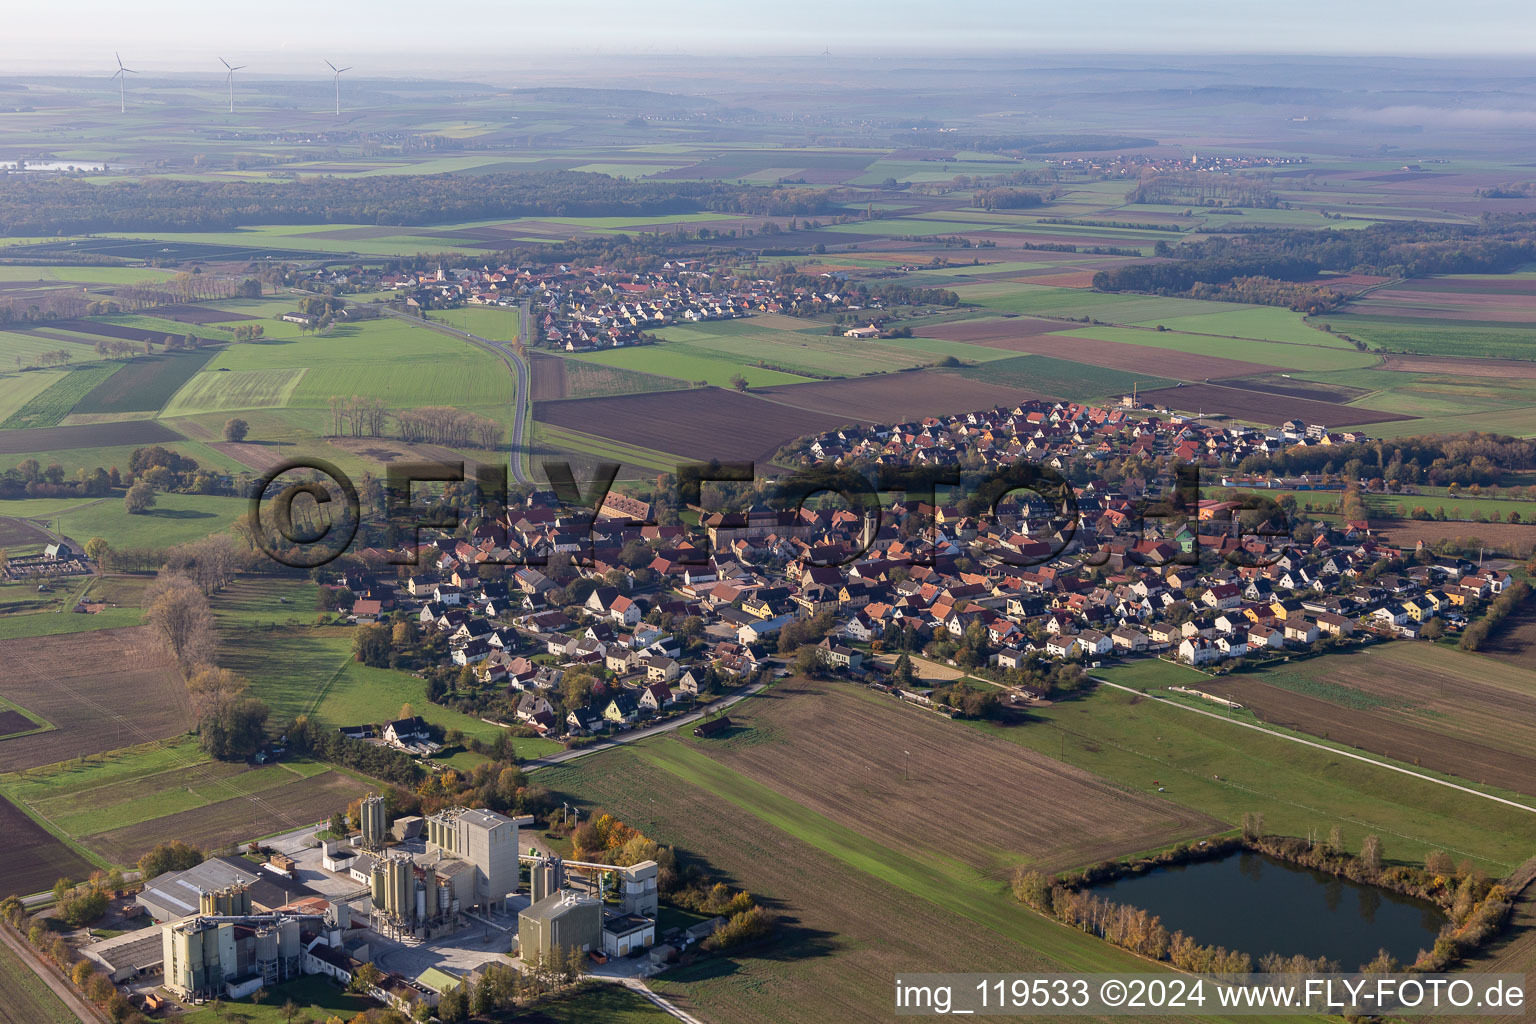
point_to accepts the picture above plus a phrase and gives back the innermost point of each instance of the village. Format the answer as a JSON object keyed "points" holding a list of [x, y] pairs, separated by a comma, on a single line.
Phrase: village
{"points": [[587, 624], [586, 308]]}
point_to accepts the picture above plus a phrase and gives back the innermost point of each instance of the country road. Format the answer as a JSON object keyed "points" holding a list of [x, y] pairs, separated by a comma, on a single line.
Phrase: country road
{"points": [[521, 406]]}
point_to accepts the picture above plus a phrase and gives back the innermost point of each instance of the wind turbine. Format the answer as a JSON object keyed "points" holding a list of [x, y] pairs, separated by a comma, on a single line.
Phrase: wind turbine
{"points": [[229, 80], [337, 78], [121, 74]]}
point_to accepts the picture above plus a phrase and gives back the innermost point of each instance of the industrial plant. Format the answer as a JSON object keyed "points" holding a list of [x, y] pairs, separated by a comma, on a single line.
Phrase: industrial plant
{"points": [[404, 894]]}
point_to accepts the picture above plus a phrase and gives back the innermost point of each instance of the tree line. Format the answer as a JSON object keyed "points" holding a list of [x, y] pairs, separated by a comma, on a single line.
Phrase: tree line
{"points": [[65, 206], [1496, 245]]}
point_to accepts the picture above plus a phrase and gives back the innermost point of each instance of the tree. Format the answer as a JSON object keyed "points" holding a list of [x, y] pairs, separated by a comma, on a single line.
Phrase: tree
{"points": [[370, 645], [140, 498], [738, 382], [902, 675], [1370, 852], [172, 856], [235, 429], [1336, 840], [81, 973], [1253, 825], [808, 661], [236, 730], [178, 608], [1438, 862], [364, 978], [97, 550]]}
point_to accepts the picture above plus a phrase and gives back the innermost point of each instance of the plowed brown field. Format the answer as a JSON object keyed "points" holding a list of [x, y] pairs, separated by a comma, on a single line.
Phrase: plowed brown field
{"points": [[902, 776], [103, 689]]}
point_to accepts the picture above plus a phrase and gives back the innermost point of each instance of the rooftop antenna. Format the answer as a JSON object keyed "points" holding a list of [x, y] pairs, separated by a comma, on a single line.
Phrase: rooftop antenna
{"points": [[121, 74], [229, 80], [337, 78]]}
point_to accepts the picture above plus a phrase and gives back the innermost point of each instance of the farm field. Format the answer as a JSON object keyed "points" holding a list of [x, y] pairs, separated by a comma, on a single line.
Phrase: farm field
{"points": [[687, 363], [1283, 354], [24, 998], [845, 903], [26, 613], [1264, 406], [580, 378], [1430, 337], [895, 397], [1415, 703], [48, 408], [1515, 540], [77, 682], [127, 790], [1514, 641], [91, 435], [828, 746], [17, 389], [143, 384], [712, 424], [35, 858], [1060, 378], [228, 390], [1028, 337], [223, 824], [404, 365], [288, 665], [553, 442], [1226, 771]]}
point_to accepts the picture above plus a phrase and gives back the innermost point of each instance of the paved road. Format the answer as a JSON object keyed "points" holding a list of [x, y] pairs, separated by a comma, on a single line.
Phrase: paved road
{"points": [[1324, 746], [639, 734], [86, 1013], [520, 403]]}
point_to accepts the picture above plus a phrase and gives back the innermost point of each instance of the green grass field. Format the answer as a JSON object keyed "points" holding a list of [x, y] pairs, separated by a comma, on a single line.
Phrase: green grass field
{"points": [[360, 694], [1286, 355], [404, 365], [49, 407], [1226, 771], [1263, 323], [227, 390], [687, 363], [139, 784], [1060, 378], [175, 519], [1428, 337], [17, 389]]}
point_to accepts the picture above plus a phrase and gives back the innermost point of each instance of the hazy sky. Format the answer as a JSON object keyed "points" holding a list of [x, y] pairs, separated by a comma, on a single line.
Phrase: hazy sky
{"points": [[288, 35]]}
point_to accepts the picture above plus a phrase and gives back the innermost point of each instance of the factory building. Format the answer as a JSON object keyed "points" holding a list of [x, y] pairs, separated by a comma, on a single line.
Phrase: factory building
{"points": [[418, 900], [485, 840], [565, 919], [207, 956]]}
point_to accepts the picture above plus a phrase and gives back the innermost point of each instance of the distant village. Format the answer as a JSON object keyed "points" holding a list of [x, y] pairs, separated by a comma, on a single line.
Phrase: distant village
{"points": [[585, 308]]}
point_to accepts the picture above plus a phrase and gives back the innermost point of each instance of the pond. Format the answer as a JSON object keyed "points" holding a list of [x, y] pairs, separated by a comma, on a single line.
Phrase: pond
{"points": [[1257, 904]]}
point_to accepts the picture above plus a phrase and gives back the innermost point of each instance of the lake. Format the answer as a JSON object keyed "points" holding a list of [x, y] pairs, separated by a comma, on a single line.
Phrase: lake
{"points": [[1257, 904]]}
